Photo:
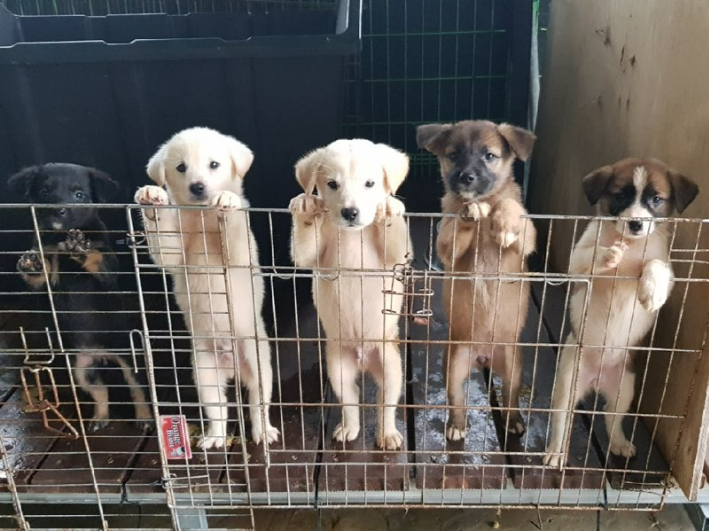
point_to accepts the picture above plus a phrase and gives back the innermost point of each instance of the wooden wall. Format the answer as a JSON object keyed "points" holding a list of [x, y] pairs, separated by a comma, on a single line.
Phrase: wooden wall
{"points": [[623, 79]]}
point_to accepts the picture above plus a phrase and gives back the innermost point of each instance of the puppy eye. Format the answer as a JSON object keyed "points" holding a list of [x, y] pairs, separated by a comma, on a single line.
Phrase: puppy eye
{"points": [[181, 167], [44, 192], [214, 165], [490, 157], [453, 156], [369, 184], [332, 185], [79, 195], [656, 200]]}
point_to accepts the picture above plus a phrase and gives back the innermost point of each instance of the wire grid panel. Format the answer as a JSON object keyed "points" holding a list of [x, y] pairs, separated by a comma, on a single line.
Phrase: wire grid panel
{"points": [[306, 466]]}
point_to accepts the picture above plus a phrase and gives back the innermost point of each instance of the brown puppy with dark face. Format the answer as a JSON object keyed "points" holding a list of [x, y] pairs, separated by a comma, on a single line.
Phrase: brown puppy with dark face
{"points": [[489, 238]]}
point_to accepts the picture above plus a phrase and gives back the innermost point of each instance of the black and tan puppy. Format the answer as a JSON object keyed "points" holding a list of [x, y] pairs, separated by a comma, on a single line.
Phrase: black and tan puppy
{"points": [[81, 267], [490, 237]]}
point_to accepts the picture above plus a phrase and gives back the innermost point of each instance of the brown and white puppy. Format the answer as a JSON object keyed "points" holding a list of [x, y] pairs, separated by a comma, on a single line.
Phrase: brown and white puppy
{"points": [[200, 166], [355, 224], [632, 278], [491, 237]]}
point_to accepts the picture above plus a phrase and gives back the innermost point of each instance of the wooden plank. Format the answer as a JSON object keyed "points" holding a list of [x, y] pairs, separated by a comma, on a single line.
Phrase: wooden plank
{"points": [[599, 114], [295, 410], [536, 393]]}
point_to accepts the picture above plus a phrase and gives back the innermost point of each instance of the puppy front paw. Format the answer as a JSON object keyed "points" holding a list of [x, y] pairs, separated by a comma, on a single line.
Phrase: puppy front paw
{"points": [[506, 224], [269, 435], [552, 459], [307, 206], [389, 439], [227, 201], [654, 286], [475, 211], [392, 208], [613, 255], [346, 432], [151, 195], [623, 448], [76, 244], [30, 263]]}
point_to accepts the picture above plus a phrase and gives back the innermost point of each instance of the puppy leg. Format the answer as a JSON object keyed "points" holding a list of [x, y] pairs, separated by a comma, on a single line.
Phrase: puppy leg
{"points": [[260, 385], [561, 395], [388, 376], [89, 380], [307, 211], [454, 239], [162, 227], [342, 374], [143, 415], [32, 269], [655, 285], [509, 367], [211, 380], [618, 405], [458, 370]]}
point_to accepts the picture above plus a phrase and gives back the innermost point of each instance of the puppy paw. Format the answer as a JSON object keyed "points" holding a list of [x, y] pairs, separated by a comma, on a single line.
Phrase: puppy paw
{"points": [[623, 448], [613, 255], [475, 211], [76, 243], [346, 433], [207, 442], [552, 459], [270, 435], [654, 286], [389, 439], [97, 424], [307, 206], [516, 426], [30, 263], [455, 433], [226, 202], [392, 208], [151, 195], [506, 225]]}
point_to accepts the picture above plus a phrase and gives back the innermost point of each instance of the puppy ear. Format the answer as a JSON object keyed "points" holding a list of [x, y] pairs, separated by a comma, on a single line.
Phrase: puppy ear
{"points": [[520, 140], [20, 184], [595, 183], [432, 137], [684, 190], [156, 166], [103, 187], [395, 165], [307, 170], [242, 157]]}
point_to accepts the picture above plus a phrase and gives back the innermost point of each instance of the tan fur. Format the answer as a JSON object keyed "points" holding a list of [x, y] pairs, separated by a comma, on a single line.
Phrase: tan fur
{"points": [[92, 261], [484, 311], [351, 307]]}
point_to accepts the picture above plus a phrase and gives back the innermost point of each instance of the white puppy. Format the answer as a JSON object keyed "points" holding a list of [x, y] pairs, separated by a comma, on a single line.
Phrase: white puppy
{"points": [[632, 278], [355, 224], [209, 254]]}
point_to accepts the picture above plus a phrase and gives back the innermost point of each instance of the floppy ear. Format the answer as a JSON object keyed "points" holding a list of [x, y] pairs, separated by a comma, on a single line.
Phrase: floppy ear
{"points": [[156, 166], [684, 190], [242, 157], [432, 137], [21, 183], [103, 187], [395, 165], [307, 169], [595, 183], [520, 140]]}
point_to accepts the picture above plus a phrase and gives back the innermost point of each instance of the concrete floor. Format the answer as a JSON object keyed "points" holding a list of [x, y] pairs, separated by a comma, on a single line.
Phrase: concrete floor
{"points": [[671, 518]]}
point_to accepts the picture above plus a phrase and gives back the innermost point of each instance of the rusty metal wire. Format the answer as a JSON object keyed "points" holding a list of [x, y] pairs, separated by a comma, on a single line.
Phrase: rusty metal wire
{"points": [[51, 453]]}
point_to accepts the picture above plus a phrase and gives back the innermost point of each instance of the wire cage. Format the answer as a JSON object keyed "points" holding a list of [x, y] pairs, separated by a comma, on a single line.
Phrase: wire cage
{"points": [[51, 449]]}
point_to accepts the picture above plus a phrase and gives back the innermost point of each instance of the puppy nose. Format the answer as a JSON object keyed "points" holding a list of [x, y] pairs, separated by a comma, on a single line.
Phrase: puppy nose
{"points": [[467, 178], [62, 212], [197, 189], [350, 214], [635, 226]]}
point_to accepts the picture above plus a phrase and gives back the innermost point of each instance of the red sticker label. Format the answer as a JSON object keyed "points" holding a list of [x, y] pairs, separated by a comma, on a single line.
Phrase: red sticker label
{"points": [[175, 437]]}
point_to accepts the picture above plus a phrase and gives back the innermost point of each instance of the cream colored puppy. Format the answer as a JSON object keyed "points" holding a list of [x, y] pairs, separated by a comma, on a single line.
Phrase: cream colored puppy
{"points": [[200, 166], [355, 224]]}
